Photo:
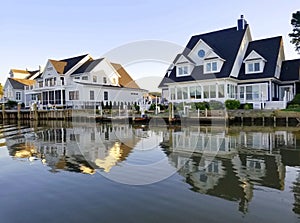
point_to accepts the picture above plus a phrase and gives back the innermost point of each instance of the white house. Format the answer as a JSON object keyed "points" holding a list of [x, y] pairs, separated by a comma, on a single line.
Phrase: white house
{"points": [[14, 89], [82, 81], [228, 64]]}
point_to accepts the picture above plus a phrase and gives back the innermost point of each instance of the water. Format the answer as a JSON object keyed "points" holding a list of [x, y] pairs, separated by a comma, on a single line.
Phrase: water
{"points": [[87, 172]]}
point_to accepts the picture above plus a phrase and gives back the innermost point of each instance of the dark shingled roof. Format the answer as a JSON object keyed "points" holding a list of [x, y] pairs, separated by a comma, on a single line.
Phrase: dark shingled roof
{"points": [[71, 62], [290, 70], [225, 43], [87, 66], [32, 73], [269, 50], [16, 84]]}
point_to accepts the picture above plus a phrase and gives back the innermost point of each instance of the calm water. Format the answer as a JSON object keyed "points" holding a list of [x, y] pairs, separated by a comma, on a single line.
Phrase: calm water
{"points": [[72, 172]]}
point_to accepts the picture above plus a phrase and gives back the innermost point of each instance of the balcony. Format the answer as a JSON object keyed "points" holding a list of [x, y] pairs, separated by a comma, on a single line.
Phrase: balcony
{"points": [[45, 85]]}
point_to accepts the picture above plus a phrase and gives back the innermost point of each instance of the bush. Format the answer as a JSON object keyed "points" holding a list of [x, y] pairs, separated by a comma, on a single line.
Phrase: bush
{"points": [[216, 105], [136, 107], [11, 104], [292, 106], [248, 106], [200, 105], [152, 107], [232, 104], [296, 100]]}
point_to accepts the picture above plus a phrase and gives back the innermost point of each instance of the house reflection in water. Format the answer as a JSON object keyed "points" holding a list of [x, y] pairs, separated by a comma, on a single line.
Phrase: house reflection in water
{"points": [[228, 164], [77, 149]]}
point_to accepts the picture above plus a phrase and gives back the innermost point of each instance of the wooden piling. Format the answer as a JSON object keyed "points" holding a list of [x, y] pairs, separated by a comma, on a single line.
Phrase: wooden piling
{"points": [[19, 112]]}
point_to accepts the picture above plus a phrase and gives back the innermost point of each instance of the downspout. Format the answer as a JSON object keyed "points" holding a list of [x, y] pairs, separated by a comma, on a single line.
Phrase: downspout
{"points": [[270, 90]]}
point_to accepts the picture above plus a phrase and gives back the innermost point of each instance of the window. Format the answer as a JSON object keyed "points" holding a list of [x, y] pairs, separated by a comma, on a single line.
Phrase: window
{"points": [[185, 93], [211, 67], [76, 78], [74, 95], [105, 95], [92, 95], [192, 92], [221, 91], [206, 91], [62, 79], [198, 92], [85, 78], [231, 91], [249, 92], [212, 91], [104, 80], [179, 93], [253, 67], [172, 93], [95, 79], [242, 90], [18, 96], [182, 71]]}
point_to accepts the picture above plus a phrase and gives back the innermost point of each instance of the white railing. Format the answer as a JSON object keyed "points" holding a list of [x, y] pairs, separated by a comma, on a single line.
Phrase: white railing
{"points": [[45, 85]]}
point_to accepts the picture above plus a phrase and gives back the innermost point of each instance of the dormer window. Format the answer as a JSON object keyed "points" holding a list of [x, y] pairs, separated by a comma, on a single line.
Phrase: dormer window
{"points": [[183, 70], [254, 63], [253, 67], [211, 67]]}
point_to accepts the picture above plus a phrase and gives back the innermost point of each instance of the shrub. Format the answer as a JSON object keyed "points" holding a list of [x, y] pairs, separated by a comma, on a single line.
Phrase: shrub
{"points": [[152, 107], [11, 104], [248, 106], [216, 105], [292, 106], [200, 105], [296, 100], [232, 104]]}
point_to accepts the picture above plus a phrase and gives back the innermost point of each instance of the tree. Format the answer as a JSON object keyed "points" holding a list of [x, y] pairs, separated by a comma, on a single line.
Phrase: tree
{"points": [[1, 90], [295, 35]]}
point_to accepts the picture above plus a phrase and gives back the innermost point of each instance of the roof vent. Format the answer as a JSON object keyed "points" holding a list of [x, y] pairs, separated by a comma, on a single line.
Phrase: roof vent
{"points": [[241, 23]]}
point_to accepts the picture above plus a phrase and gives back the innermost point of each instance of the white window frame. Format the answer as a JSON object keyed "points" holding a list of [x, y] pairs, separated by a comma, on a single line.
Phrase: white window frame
{"points": [[95, 79], [104, 80], [18, 96], [183, 70], [211, 67], [250, 67]]}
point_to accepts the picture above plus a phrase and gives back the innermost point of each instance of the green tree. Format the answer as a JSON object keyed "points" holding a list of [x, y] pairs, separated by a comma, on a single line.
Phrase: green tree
{"points": [[295, 35], [1, 90]]}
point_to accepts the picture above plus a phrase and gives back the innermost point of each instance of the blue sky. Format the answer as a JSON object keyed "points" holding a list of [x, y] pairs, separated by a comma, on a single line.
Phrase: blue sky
{"points": [[33, 31]]}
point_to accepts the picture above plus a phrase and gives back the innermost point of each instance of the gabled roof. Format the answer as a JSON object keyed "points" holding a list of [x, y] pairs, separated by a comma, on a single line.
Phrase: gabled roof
{"points": [[125, 79], [269, 50], [17, 83], [59, 66], [88, 66], [19, 71], [32, 73], [63, 66], [290, 70], [253, 55], [225, 43]]}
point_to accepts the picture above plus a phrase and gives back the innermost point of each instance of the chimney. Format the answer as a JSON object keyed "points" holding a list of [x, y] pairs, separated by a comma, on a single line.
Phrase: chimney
{"points": [[241, 23]]}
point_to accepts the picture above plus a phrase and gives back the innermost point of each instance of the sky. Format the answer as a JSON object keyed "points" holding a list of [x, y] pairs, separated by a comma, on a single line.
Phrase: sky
{"points": [[33, 31]]}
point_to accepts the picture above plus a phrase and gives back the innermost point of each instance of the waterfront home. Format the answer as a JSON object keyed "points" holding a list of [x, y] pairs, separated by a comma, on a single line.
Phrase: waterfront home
{"points": [[14, 89], [82, 81], [229, 64]]}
